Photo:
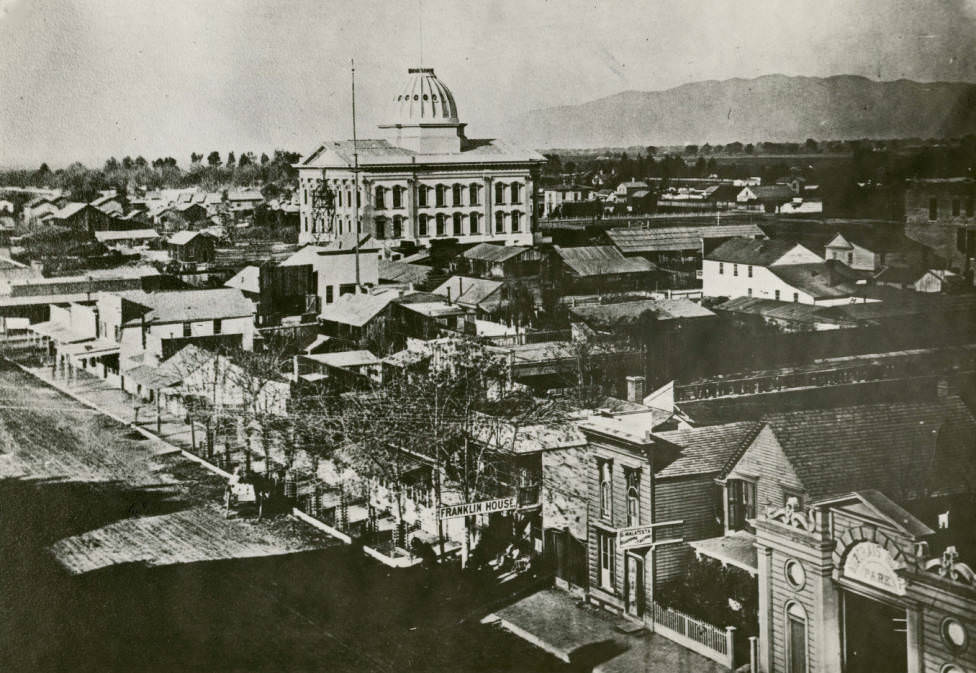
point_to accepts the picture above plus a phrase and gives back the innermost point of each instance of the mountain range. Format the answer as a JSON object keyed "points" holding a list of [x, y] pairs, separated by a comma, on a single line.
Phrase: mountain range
{"points": [[775, 108]]}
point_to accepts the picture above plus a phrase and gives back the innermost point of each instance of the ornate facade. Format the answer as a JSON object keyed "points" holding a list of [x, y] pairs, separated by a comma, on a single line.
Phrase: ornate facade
{"points": [[423, 181]]}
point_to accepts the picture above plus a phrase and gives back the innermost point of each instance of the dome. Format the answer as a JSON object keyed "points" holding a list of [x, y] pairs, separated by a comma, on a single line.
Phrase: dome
{"points": [[424, 99]]}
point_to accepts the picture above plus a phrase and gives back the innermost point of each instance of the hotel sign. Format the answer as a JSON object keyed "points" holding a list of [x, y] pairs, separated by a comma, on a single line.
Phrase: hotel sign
{"points": [[476, 508], [635, 536], [871, 564]]}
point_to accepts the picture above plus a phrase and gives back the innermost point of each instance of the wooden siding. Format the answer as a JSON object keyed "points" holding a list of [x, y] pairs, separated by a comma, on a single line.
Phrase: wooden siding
{"points": [[765, 459], [689, 499]]}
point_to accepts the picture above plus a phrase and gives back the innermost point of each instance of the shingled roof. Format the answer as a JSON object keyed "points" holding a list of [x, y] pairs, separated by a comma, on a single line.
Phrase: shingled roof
{"points": [[489, 252], [751, 251], [888, 446], [706, 450], [635, 240], [599, 260]]}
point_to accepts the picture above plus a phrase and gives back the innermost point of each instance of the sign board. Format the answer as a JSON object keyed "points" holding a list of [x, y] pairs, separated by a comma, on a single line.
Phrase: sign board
{"points": [[871, 564], [635, 536], [476, 508]]}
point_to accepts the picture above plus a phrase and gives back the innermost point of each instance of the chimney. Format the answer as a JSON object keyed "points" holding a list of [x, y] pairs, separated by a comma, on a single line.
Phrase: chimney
{"points": [[635, 389]]}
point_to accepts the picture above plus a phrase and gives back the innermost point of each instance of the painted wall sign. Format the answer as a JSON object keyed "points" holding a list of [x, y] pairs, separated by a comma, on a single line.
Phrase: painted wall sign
{"points": [[635, 536], [476, 508], [871, 564]]}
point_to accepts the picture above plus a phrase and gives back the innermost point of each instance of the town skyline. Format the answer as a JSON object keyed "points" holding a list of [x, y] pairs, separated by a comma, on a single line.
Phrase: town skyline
{"points": [[251, 77]]}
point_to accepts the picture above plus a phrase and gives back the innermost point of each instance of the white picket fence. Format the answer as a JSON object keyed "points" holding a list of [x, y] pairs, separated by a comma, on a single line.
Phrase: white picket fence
{"points": [[709, 641]]}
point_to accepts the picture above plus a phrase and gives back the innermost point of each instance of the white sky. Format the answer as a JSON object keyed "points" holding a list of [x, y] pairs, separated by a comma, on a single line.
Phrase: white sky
{"points": [[86, 79]]}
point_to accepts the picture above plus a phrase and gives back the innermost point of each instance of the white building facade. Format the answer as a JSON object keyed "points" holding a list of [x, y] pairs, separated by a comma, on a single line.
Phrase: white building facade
{"points": [[423, 181]]}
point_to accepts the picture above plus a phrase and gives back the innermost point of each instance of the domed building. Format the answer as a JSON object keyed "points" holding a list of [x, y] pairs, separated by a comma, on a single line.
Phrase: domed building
{"points": [[422, 180]]}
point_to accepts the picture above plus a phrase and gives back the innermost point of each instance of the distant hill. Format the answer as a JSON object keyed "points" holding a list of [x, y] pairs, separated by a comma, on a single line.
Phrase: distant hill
{"points": [[773, 107]]}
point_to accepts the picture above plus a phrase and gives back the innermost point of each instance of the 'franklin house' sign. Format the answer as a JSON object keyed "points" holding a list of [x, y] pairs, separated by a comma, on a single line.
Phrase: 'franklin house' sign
{"points": [[871, 564]]}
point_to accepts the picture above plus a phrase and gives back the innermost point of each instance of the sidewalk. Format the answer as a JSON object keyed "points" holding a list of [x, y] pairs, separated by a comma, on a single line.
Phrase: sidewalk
{"points": [[585, 637]]}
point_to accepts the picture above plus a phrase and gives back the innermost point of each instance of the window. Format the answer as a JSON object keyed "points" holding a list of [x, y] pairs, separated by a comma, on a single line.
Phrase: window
{"points": [[441, 196], [741, 502], [749, 271], [397, 226], [608, 554], [850, 259], [954, 634], [748, 291], [379, 224], [516, 220], [398, 197], [456, 195], [606, 489], [955, 207], [441, 224], [499, 193], [633, 497], [721, 269], [422, 196], [422, 225], [457, 224], [735, 269], [380, 200], [933, 209], [217, 325], [186, 329], [473, 217], [795, 575], [473, 194], [796, 297], [777, 295], [516, 192], [347, 288], [328, 294], [796, 638], [499, 223]]}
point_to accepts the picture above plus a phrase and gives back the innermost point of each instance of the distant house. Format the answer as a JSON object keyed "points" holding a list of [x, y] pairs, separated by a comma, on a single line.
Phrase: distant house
{"points": [[278, 291], [554, 197], [343, 366], [779, 270], [488, 260], [601, 268], [358, 317], [191, 211], [244, 202], [191, 246], [764, 198], [941, 213], [874, 249], [681, 245], [38, 208], [109, 203], [477, 295], [82, 217], [335, 266]]}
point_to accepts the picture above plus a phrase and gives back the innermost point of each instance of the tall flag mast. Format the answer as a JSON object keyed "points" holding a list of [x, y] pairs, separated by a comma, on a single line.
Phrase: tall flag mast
{"points": [[355, 169]]}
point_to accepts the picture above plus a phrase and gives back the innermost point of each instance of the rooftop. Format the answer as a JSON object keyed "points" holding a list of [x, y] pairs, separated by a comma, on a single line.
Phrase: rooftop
{"points": [[489, 252], [185, 236], [707, 449], [189, 305], [627, 312], [339, 154], [821, 280], [357, 309], [634, 240], [126, 234], [474, 292], [752, 251], [599, 260], [246, 280], [357, 358], [402, 272]]}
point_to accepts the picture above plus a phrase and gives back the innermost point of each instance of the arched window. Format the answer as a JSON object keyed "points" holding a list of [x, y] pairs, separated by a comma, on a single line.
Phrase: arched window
{"points": [[606, 490], [339, 198], [441, 219], [348, 198], [441, 196], [421, 225], [380, 224], [516, 192], [499, 222], [473, 223], [456, 194], [516, 220], [796, 638], [499, 193], [633, 497], [422, 196], [397, 226], [398, 197], [380, 200], [458, 224], [473, 194]]}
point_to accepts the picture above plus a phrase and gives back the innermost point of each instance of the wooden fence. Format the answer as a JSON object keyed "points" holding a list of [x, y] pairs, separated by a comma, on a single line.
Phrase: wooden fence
{"points": [[709, 641]]}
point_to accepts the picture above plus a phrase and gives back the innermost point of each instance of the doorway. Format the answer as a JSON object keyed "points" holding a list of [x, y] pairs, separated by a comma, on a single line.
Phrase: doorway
{"points": [[875, 636], [635, 585]]}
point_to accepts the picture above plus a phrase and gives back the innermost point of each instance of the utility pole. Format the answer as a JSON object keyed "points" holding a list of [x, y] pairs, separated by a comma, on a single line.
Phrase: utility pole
{"points": [[355, 170]]}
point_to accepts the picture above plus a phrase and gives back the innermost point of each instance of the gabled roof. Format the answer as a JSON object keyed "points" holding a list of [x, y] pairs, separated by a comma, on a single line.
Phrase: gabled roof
{"points": [[636, 240], [374, 152], [772, 193], [599, 260], [754, 252], [875, 239], [185, 236], [189, 305], [874, 504], [247, 280], [888, 446], [707, 449], [70, 209], [402, 272], [785, 310], [627, 312], [820, 281], [489, 252], [475, 292], [357, 309], [344, 359]]}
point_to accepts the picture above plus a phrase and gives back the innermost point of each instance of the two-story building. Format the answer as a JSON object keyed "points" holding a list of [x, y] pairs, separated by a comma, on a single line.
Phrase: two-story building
{"points": [[423, 181], [941, 213]]}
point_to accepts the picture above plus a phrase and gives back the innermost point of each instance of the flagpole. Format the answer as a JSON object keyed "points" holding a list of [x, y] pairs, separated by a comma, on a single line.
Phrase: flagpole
{"points": [[355, 170]]}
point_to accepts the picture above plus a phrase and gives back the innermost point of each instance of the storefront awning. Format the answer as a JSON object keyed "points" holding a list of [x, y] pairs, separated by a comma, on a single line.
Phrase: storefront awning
{"points": [[90, 349], [59, 332], [735, 549]]}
